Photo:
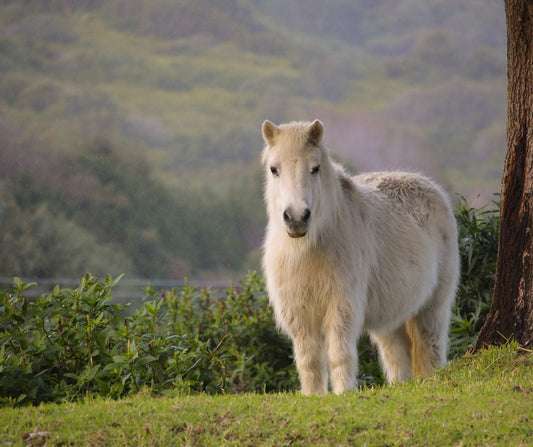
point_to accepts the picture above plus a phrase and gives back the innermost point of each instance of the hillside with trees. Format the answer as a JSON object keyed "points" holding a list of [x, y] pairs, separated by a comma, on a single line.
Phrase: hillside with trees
{"points": [[129, 129]]}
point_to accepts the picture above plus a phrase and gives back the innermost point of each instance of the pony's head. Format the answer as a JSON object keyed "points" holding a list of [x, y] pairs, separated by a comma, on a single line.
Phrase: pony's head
{"points": [[297, 167]]}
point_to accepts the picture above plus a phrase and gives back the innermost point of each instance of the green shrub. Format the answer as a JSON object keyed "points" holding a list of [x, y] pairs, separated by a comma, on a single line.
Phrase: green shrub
{"points": [[57, 346], [74, 342], [227, 343], [69, 343], [478, 246]]}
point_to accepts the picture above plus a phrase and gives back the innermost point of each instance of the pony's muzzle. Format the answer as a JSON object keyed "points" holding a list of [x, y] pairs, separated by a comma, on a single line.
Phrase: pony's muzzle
{"points": [[296, 226]]}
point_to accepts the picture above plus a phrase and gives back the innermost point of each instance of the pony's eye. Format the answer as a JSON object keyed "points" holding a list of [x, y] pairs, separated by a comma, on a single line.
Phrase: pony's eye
{"points": [[274, 171], [315, 170]]}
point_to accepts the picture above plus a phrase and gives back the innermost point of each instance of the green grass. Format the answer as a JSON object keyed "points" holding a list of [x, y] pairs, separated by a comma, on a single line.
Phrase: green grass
{"points": [[484, 399]]}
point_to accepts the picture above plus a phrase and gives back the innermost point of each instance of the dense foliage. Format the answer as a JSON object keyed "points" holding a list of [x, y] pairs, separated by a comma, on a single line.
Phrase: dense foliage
{"points": [[73, 342], [129, 129], [479, 231], [108, 214]]}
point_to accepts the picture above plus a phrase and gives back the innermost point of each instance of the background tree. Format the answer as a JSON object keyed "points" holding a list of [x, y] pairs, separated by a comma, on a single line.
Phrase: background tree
{"points": [[511, 313]]}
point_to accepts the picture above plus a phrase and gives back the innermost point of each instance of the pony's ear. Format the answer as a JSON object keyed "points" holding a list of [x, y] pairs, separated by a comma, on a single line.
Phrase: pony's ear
{"points": [[270, 132], [315, 132]]}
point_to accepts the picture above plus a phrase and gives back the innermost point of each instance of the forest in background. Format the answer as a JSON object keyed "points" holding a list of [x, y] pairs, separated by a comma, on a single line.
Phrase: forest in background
{"points": [[130, 129]]}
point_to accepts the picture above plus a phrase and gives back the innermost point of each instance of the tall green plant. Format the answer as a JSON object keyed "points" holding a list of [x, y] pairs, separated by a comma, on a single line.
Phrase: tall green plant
{"points": [[478, 232]]}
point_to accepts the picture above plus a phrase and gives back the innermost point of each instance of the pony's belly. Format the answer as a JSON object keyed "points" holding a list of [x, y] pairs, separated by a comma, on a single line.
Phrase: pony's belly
{"points": [[383, 320], [390, 305]]}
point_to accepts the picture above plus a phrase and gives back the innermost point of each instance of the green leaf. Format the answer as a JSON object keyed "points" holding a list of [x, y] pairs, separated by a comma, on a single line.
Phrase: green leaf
{"points": [[115, 281], [145, 360]]}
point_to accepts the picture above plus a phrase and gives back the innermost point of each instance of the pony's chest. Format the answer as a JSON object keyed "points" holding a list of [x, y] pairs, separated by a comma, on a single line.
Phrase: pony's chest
{"points": [[305, 279]]}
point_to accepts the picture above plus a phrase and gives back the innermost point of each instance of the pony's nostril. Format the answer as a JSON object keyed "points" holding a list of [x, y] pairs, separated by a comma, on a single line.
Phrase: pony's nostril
{"points": [[290, 219]]}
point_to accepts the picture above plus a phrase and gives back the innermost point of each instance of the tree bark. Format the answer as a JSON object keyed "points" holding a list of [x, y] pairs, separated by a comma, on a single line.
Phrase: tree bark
{"points": [[511, 312]]}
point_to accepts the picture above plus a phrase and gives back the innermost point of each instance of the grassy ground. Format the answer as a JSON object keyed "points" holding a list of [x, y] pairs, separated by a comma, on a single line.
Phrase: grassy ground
{"points": [[485, 399]]}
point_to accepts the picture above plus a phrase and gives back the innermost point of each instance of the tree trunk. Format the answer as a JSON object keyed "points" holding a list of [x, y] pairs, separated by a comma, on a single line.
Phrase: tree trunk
{"points": [[511, 312]]}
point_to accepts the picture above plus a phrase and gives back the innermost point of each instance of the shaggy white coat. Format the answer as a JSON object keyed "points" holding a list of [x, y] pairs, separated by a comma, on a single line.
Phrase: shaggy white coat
{"points": [[376, 252]]}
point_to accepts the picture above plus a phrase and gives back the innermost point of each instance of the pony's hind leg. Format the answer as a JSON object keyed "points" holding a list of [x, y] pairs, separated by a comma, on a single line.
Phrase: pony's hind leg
{"points": [[428, 331], [429, 328], [394, 351]]}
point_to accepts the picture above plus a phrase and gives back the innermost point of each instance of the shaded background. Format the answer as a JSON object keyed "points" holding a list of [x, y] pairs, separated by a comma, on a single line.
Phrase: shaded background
{"points": [[130, 129]]}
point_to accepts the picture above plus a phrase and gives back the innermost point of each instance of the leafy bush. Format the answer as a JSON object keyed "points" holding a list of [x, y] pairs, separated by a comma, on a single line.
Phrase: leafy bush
{"points": [[478, 246], [73, 342], [69, 343], [56, 346]]}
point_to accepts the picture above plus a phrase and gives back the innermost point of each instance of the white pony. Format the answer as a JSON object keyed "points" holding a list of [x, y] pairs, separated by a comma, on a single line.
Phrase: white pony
{"points": [[376, 252]]}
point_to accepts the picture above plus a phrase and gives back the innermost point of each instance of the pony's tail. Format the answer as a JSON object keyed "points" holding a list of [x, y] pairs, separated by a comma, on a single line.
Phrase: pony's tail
{"points": [[423, 361]]}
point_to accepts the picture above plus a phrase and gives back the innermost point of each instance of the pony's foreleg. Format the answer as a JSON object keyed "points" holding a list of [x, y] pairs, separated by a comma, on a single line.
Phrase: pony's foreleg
{"points": [[341, 339], [310, 362]]}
